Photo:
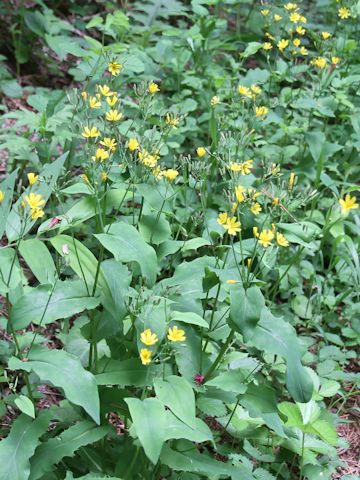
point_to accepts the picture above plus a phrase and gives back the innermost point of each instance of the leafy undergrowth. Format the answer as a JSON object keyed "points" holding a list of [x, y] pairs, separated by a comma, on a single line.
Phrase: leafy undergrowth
{"points": [[179, 268]]}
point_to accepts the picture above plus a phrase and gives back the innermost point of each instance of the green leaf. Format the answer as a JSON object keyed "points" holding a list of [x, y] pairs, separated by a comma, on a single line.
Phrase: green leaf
{"points": [[127, 245], [154, 229], [177, 394], [39, 305], [188, 317], [25, 405], [49, 176], [292, 413], [245, 309], [251, 48], [129, 372], [230, 381], [7, 188], [64, 445], [149, 417], [38, 258], [65, 371], [277, 337], [19, 446], [176, 429]]}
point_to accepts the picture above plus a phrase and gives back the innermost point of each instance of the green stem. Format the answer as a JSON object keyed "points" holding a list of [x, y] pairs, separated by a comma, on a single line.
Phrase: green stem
{"points": [[220, 356]]}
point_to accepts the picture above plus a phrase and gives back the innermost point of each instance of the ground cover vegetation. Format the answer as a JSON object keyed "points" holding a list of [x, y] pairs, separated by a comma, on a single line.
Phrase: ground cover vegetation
{"points": [[179, 223]]}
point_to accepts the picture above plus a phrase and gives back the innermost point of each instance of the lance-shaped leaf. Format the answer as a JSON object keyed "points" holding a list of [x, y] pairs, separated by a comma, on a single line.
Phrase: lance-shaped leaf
{"points": [[19, 446], [38, 258], [127, 245], [65, 371], [7, 188], [149, 417], [64, 445], [45, 187], [245, 309], [45, 304]]}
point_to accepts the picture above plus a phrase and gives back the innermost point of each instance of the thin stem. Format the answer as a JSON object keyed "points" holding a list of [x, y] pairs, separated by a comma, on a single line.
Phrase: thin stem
{"points": [[220, 355]]}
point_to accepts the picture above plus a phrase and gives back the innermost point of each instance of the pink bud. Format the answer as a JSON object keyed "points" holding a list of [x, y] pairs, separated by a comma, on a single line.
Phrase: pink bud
{"points": [[54, 221], [198, 379]]}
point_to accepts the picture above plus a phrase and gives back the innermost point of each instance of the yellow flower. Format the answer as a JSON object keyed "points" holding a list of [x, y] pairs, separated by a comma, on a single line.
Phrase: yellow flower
{"points": [[297, 42], [85, 178], [84, 96], [255, 232], [300, 30], [215, 101], [170, 174], [255, 208], [101, 155], [109, 143], [94, 102], [105, 91], [115, 68], [32, 178], [282, 44], [304, 51], [37, 213], [172, 120], [261, 111], [145, 356], [268, 35], [111, 101], [266, 237], [113, 116], [232, 282], [34, 200], [319, 62], [147, 159], [222, 218], [244, 168], [175, 334], [265, 12], [239, 193], [277, 17], [244, 91], [295, 17], [2, 196], [90, 132], [148, 338], [335, 60], [104, 177], [267, 46], [344, 13], [200, 152], [256, 90], [303, 19], [153, 88], [133, 144], [291, 181], [325, 35], [276, 201], [348, 203], [291, 6], [281, 240], [232, 226]]}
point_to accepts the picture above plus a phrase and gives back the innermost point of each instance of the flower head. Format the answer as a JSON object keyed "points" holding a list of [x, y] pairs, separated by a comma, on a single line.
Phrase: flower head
{"points": [[291, 6], [153, 88], [267, 46], [261, 111], [348, 203], [266, 237], [215, 101], [111, 101], [319, 62], [172, 120], [232, 225], [106, 91], [200, 152], [32, 178], [148, 337], [295, 17], [104, 177], [277, 17], [198, 379], [325, 35], [244, 167], [300, 30], [115, 68], [2, 196], [244, 91], [34, 200], [100, 155], [239, 193], [281, 240], [344, 13], [282, 44], [291, 181], [175, 334], [90, 132], [255, 208], [37, 213], [265, 12], [113, 116], [133, 144], [109, 143], [145, 356], [94, 102], [170, 174], [335, 60], [222, 218]]}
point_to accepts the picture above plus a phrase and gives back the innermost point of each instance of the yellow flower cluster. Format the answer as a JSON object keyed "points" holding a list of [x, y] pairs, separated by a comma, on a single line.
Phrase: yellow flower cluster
{"points": [[35, 201], [149, 338]]}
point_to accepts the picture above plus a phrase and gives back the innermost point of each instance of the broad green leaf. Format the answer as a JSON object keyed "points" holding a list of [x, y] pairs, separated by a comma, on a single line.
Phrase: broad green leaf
{"points": [[251, 48], [177, 394], [129, 372], [292, 413], [19, 446], [65, 371], [158, 196], [127, 245], [275, 336], [188, 317], [64, 445], [25, 405], [149, 418], [38, 258], [245, 309], [39, 305], [7, 188], [176, 429], [11, 275], [48, 175], [230, 381], [154, 229]]}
